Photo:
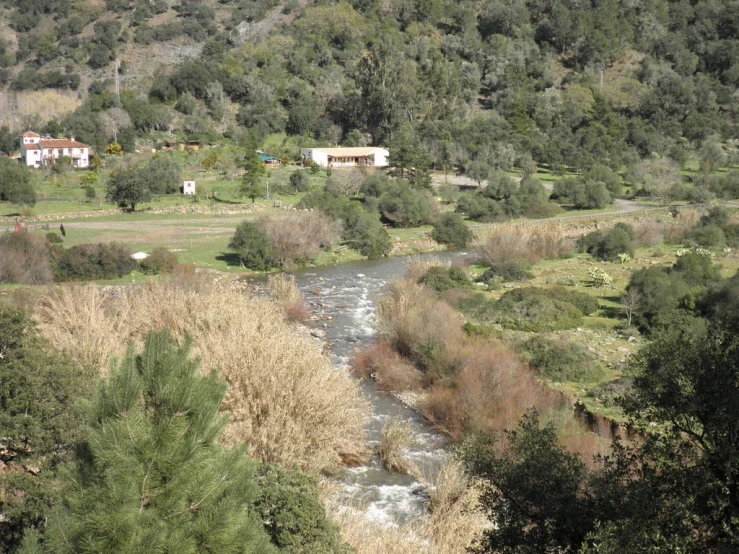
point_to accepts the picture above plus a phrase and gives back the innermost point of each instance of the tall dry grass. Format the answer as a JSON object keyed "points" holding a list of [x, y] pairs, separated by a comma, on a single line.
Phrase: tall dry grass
{"points": [[285, 292], [419, 326], [396, 437], [284, 398], [416, 267], [523, 241], [452, 524]]}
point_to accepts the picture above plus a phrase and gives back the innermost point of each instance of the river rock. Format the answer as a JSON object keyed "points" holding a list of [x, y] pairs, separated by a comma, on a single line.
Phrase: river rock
{"points": [[318, 333]]}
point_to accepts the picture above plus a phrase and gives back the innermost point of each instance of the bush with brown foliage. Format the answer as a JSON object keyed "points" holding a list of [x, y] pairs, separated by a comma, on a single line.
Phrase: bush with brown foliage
{"points": [[382, 363], [160, 260], [301, 236], [25, 259], [285, 400]]}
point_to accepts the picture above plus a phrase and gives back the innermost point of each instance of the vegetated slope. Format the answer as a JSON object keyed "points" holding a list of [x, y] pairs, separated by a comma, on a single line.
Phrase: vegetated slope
{"points": [[496, 83]]}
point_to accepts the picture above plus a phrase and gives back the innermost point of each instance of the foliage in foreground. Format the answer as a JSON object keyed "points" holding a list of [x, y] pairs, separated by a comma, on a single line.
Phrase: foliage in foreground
{"points": [[152, 474], [41, 420], [675, 491]]}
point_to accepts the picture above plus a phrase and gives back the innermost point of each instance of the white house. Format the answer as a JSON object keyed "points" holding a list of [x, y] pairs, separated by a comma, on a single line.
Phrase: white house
{"points": [[40, 152], [364, 156]]}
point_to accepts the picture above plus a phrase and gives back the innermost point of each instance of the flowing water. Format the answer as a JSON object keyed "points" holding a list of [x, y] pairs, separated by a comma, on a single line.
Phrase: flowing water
{"points": [[348, 294]]}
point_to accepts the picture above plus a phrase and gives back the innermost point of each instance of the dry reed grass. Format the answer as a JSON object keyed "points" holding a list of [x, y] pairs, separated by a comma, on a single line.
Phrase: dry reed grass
{"points": [[396, 438], [419, 326], [416, 267], [284, 398], [285, 292], [453, 523], [523, 241]]}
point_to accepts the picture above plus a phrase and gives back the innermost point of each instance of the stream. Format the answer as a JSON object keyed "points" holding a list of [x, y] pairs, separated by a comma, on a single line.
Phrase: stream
{"points": [[348, 294]]}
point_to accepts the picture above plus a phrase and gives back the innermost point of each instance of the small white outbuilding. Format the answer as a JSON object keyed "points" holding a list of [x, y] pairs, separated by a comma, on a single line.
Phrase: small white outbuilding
{"points": [[188, 188]]}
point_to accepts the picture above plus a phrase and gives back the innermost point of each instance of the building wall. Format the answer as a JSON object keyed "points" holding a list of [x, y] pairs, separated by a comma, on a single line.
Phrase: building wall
{"points": [[381, 157], [321, 158]]}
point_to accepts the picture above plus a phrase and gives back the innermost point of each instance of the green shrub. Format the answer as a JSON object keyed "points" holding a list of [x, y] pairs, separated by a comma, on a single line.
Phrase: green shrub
{"points": [[607, 245], [442, 278], [509, 270], [584, 303], [299, 181], [160, 260], [293, 514], [696, 269], [253, 247], [479, 208], [404, 206], [562, 361], [661, 294], [451, 230], [537, 314], [53, 238], [709, 236], [581, 194], [85, 262]]}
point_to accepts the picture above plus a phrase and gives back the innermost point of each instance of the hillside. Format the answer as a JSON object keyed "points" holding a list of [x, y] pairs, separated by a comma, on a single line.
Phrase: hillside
{"points": [[471, 84]]}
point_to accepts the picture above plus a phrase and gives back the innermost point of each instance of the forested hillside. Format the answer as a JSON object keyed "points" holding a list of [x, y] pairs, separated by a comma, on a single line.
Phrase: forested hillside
{"points": [[563, 82]]}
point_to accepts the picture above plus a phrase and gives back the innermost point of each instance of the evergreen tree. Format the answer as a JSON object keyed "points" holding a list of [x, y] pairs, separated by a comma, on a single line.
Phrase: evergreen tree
{"points": [[251, 183], [41, 420], [152, 476]]}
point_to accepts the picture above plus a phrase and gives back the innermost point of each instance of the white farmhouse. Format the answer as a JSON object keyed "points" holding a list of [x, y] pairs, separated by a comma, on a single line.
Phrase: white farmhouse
{"points": [[40, 152], [365, 156]]}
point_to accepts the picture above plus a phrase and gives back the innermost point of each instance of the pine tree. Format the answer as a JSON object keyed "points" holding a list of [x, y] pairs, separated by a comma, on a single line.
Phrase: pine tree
{"points": [[152, 476], [40, 421], [251, 182]]}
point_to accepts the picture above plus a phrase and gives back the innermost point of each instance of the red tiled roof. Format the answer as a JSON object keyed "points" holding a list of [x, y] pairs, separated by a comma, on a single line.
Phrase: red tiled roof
{"points": [[31, 134], [61, 143], [32, 146]]}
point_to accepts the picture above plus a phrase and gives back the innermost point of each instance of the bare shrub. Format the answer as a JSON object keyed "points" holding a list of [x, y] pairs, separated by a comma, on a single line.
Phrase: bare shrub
{"points": [[495, 388], [300, 236], [396, 437], [284, 398], [380, 362], [285, 292], [24, 259], [680, 225], [441, 406], [649, 232], [345, 182], [523, 241]]}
